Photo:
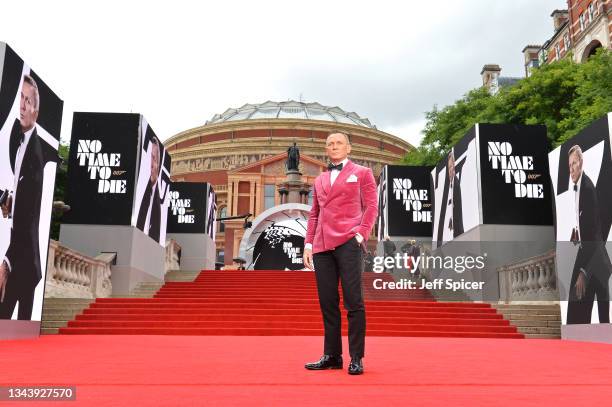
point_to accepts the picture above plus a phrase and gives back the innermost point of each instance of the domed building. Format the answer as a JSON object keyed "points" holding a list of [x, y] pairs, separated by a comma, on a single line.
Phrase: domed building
{"points": [[242, 153]]}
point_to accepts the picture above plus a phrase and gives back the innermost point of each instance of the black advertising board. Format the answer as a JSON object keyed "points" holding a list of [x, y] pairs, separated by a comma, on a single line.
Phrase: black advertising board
{"points": [[497, 174], [30, 123], [514, 176], [102, 168], [118, 173], [188, 207], [405, 208]]}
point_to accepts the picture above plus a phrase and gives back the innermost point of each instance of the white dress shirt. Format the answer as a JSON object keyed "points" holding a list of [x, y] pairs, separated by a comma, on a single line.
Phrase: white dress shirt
{"points": [[334, 173], [21, 150], [577, 205], [448, 233], [577, 213]]}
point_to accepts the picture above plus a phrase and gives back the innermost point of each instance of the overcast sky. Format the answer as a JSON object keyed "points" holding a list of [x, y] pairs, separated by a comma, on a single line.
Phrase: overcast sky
{"points": [[179, 63]]}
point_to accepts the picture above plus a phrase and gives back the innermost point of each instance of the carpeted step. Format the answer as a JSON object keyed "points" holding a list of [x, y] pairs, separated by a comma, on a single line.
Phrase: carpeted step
{"points": [[417, 318], [181, 307], [301, 312], [289, 300], [276, 332], [281, 303], [289, 325]]}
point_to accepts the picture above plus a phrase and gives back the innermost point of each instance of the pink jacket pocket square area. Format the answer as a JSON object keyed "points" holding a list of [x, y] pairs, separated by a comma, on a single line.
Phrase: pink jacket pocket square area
{"points": [[352, 178]]}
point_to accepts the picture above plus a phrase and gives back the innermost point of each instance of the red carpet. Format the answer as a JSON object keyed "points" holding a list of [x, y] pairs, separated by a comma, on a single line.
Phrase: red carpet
{"points": [[280, 303], [218, 370]]}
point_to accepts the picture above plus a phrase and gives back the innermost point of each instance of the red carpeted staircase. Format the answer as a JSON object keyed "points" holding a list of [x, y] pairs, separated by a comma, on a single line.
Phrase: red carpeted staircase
{"points": [[280, 303]]}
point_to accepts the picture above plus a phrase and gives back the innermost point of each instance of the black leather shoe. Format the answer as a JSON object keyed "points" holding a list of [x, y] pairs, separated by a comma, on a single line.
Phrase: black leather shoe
{"points": [[356, 366], [326, 362]]}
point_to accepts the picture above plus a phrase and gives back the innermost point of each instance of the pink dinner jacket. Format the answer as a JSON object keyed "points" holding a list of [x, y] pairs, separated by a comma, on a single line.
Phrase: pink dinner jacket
{"points": [[341, 210]]}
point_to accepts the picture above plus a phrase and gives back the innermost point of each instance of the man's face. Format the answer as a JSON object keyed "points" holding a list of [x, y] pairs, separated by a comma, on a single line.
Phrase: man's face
{"points": [[154, 163], [337, 147], [575, 167], [451, 167], [28, 111]]}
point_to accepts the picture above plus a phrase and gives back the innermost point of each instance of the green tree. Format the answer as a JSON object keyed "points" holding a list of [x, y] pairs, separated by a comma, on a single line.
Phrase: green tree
{"points": [[564, 96]]}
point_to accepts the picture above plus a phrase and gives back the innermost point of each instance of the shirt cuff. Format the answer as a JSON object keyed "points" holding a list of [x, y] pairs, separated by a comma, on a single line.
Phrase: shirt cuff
{"points": [[359, 237], [583, 271], [308, 246], [8, 264]]}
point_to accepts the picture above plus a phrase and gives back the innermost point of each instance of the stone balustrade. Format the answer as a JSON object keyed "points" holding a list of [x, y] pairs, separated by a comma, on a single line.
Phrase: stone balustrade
{"points": [[173, 255], [529, 280], [71, 274]]}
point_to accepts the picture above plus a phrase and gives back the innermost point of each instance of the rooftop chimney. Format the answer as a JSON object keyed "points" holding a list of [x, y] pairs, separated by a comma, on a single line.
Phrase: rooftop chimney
{"points": [[559, 18]]}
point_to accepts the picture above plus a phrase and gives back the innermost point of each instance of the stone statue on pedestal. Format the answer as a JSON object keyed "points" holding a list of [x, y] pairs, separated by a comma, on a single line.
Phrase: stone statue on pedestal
{"points": [[293, 158]]}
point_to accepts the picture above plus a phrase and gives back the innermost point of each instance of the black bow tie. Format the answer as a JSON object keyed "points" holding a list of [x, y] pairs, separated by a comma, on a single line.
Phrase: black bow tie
{"points": [[331, 166], [575, 187], [21, 138]]}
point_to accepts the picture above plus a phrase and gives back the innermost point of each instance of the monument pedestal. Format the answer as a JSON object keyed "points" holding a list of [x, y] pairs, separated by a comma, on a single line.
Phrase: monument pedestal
{"points": [[139, 258], [293, 189]]}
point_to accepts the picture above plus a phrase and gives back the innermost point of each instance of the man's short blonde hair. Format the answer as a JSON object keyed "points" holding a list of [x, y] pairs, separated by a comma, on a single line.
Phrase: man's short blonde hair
{"points": [[575, 149], [348, 140]]}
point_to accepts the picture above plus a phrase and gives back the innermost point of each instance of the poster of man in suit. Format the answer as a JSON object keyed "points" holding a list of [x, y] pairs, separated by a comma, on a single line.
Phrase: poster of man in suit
{"points": [[211, 212], [153, 185], [455, 191], [30, 122], [581, 169]]}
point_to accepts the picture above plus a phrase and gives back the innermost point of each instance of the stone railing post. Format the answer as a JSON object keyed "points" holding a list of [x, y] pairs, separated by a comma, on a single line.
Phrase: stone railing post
{"points": [[172, 261], [529, 280], [71, 274]]}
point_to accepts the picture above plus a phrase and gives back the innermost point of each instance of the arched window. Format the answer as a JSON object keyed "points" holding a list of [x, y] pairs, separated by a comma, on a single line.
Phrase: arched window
{"points": [[222, 214]]}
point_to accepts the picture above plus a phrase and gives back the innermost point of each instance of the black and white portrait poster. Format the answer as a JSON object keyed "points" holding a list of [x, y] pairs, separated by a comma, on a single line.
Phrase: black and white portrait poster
{"points": [[382, 225], [187, 210], [30, 122], [211, 212], [406, 208], [514, 180], [152, 196], [102, 168], [455, 191], [581, 170]]}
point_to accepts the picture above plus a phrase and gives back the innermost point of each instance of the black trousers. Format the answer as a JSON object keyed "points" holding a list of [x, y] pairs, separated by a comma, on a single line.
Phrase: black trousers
{"points": [[579, 311], [344, 263], [14, 292]]}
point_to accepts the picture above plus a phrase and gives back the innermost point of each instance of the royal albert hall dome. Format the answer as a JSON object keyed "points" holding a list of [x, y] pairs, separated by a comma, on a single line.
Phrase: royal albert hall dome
{"points": [[242, 153]]}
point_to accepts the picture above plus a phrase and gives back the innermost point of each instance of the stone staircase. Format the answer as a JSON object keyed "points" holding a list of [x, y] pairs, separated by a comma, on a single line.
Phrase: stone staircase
{"points": [[58, 311], [533, 320], [184, 276]]}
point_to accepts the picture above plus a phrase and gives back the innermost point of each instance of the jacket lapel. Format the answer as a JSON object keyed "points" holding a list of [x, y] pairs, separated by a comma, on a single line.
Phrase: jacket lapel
{"points": [[344, 174], [325, 182]]}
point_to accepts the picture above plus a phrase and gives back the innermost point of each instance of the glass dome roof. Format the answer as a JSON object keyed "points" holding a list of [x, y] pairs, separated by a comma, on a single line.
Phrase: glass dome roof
{"points": [[291, 110]]}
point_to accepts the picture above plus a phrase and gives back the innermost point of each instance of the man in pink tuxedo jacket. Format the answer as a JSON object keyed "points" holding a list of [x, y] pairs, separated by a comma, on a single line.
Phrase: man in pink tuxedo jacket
{"points": [[344, 209]]}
